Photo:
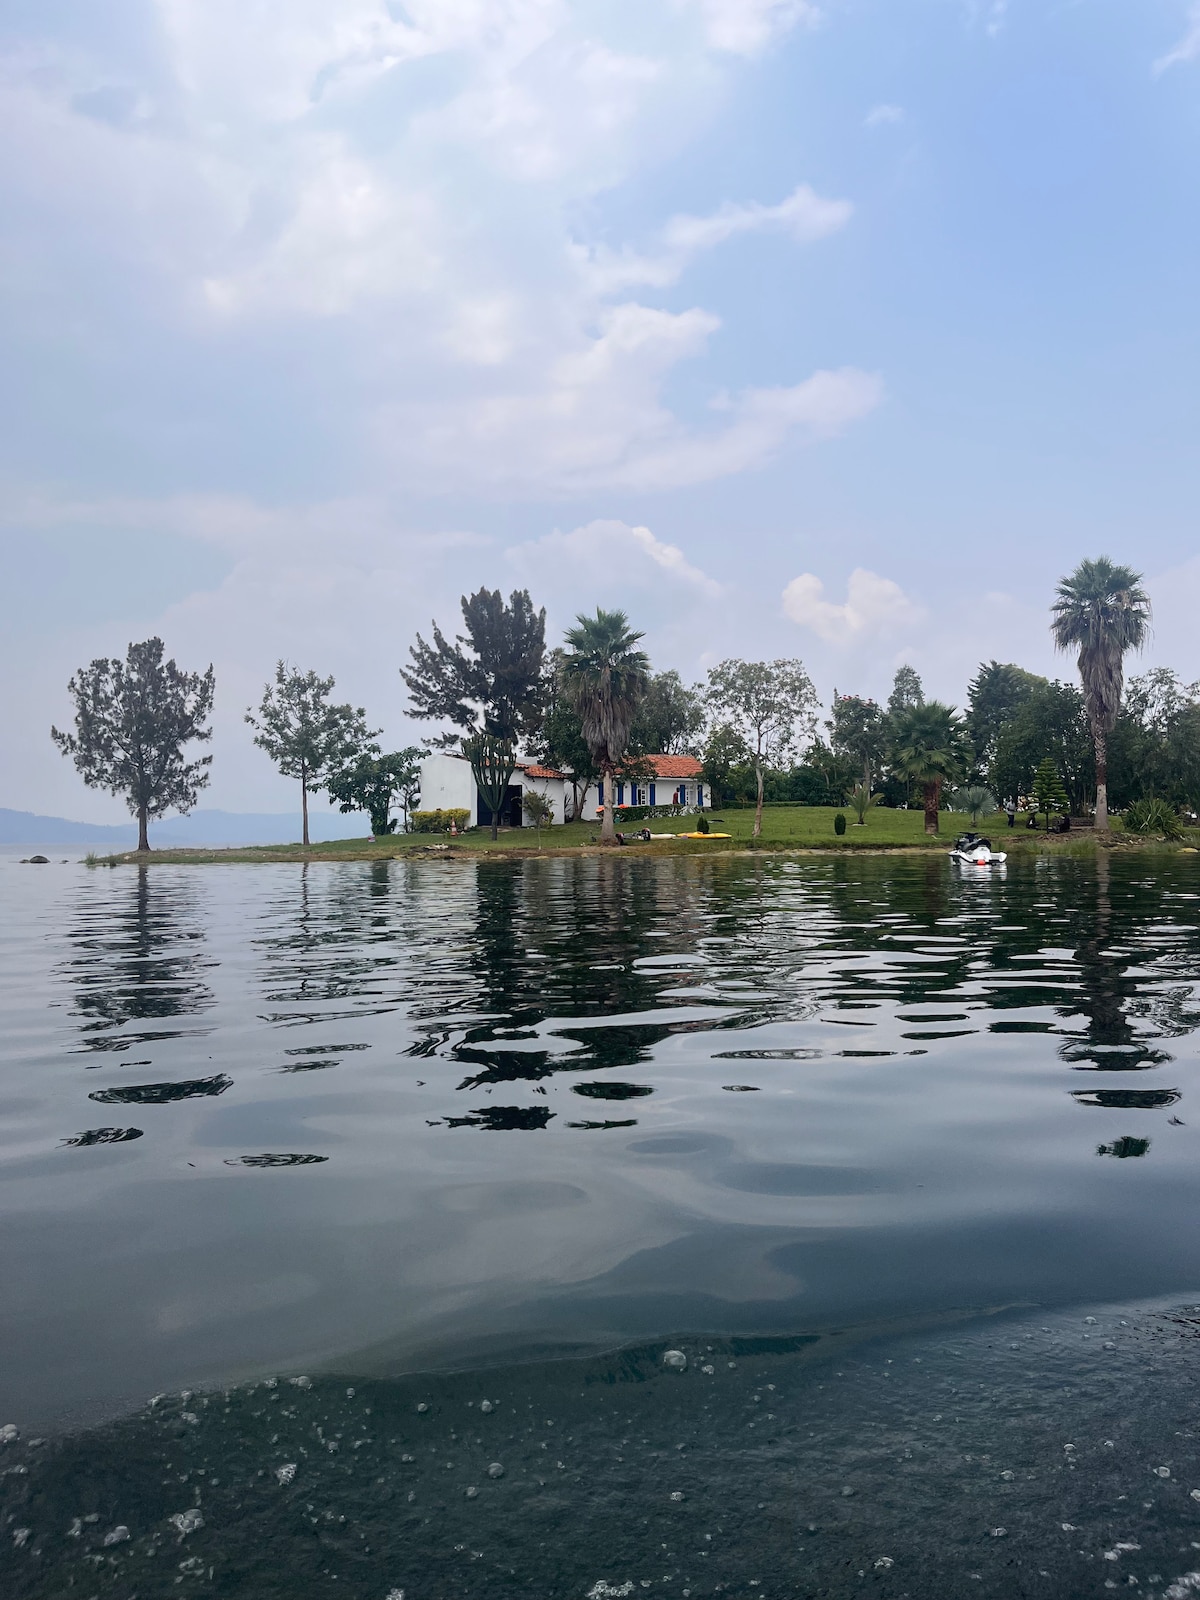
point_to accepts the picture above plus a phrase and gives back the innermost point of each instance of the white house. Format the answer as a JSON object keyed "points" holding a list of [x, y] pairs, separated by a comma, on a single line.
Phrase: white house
{"points": [[448, 784], [677, 781]]}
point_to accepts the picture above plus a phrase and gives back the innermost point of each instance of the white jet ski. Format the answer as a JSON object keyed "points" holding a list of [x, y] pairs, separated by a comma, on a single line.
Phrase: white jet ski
{"points": [[973, 851]]}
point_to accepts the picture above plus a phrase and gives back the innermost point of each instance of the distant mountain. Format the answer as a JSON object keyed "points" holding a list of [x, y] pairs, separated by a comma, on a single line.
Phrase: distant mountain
{"points": [[200, 829]]}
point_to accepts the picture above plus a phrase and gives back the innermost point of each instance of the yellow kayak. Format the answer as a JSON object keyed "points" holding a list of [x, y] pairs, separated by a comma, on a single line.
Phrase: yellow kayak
{"points": [[704, 836]]}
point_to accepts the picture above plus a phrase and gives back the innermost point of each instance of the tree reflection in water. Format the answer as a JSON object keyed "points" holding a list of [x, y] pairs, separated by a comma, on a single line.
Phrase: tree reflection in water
{"points": [[137, 957]]}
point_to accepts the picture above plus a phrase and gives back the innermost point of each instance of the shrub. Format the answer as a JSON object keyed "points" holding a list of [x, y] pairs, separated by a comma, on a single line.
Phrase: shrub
{"points": [[1153, 815], [701, 824], [839, 824], [439, 821]]}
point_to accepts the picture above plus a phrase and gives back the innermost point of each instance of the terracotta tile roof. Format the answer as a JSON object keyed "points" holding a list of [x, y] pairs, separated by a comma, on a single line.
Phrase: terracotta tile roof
{"points": [[674, 766], [531, 770]]}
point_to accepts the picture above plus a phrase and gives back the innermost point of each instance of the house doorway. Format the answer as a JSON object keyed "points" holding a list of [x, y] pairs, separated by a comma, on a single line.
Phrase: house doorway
{"points": [[510, 812]]}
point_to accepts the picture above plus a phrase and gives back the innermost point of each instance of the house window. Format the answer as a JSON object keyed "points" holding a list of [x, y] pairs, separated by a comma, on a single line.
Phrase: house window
{"points": [[620, 794], [651, 794]]}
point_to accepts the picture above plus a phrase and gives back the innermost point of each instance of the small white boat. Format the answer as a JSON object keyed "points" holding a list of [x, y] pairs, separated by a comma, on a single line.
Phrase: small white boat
{"points": [[972, 851]]}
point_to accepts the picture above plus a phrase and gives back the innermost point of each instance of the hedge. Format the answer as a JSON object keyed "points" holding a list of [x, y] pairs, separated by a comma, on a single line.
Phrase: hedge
{"points": [[438, 821]]}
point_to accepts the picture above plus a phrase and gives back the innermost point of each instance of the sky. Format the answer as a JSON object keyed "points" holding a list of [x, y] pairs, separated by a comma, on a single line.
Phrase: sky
{"points": [[831, 329]]}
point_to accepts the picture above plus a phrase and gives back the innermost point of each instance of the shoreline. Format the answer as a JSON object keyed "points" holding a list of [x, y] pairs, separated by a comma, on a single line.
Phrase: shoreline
{"points": [[1079, 845]]}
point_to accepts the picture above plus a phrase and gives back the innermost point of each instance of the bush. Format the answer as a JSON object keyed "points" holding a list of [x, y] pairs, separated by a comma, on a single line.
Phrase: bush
{"points": [[438, 821], [839, 824], [644, 813], [1153, 815]]}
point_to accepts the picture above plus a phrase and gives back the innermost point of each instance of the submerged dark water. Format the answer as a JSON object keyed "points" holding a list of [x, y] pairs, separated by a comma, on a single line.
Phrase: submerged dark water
{"points": [[373, 1119]]}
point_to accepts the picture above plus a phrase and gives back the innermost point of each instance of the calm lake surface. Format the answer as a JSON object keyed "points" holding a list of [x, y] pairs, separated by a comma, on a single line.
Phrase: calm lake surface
{"points": [[370, 1120]]}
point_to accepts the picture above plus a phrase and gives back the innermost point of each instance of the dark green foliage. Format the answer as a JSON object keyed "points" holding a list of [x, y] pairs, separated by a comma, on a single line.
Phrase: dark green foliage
{"points": [[701, 824], [929, 748], [670, 718], [1048, 789], [604, 678], [1050, 721], [858, 730], [132, 720], [493, 762], [304, 735], [1103, 610], [1153, 815], [839, 824], [375, 782], [907, 692], [560, 742], [1154, 748], [491, 677], [995, 694]]}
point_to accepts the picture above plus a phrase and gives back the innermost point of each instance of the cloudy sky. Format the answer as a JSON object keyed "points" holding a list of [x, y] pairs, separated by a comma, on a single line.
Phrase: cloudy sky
{"points": [[829, 328]]}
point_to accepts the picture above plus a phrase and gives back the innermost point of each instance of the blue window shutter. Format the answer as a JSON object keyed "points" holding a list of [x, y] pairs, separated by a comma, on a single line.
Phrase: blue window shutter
{"points": [[652, 794], [700, 795], [600, 792]]}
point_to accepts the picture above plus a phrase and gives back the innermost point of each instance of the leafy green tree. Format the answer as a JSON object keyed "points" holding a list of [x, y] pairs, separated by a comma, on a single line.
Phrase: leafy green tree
{"points": [[1155, 747], [1050, 721], [1102, 610], [304, 735], [490, 679], [835, 771], [560, 742], [996, 693], [1049, 791], [670, 718], [493, 762], [375, 783], [538, 809], [858, 729], [132, 720], [930, 748], [907, 692], [770, 707], [604, 679]]}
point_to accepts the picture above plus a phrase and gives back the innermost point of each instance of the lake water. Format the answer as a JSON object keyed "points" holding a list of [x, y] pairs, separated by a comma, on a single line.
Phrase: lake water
{"points": [[357, 1121]]}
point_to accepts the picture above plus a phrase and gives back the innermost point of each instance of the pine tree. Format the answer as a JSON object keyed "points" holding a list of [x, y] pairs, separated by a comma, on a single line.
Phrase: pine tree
{"points": [[1048, 790]]}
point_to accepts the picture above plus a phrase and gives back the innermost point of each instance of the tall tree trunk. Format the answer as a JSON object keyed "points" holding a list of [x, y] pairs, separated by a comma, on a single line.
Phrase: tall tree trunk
{"points": [[304, 799], [608, 834], [933, 795], [143, 835], [495, 824], [1101, 743], [758, 773]]}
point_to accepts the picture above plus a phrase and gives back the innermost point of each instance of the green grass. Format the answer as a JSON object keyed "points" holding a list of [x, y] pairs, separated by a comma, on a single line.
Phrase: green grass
{"points": [[784, 827]]}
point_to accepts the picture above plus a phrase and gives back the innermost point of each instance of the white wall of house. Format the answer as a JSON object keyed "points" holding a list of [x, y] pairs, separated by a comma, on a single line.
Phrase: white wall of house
{"points": [[691, 793], [447, 783]]}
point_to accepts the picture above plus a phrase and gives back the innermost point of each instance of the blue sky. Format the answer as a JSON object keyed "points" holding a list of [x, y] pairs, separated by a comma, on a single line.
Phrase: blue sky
{"points": [[834, 329]]}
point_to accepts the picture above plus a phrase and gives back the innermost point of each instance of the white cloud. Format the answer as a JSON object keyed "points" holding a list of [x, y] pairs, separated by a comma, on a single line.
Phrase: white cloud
{"points": [[382, 205], [603, 547], [744, 27], [805, 215], [873, 606], [883, 115], [1188, 48], [600, 424]]}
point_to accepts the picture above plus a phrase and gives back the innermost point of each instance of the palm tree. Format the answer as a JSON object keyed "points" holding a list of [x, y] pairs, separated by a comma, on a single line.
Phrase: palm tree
{"points": [[1103, 609], [604, 677], [929, 747]]}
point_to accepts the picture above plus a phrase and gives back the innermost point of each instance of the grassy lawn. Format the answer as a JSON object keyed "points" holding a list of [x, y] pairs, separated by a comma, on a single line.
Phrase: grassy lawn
{"points": [[784, 827]]}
